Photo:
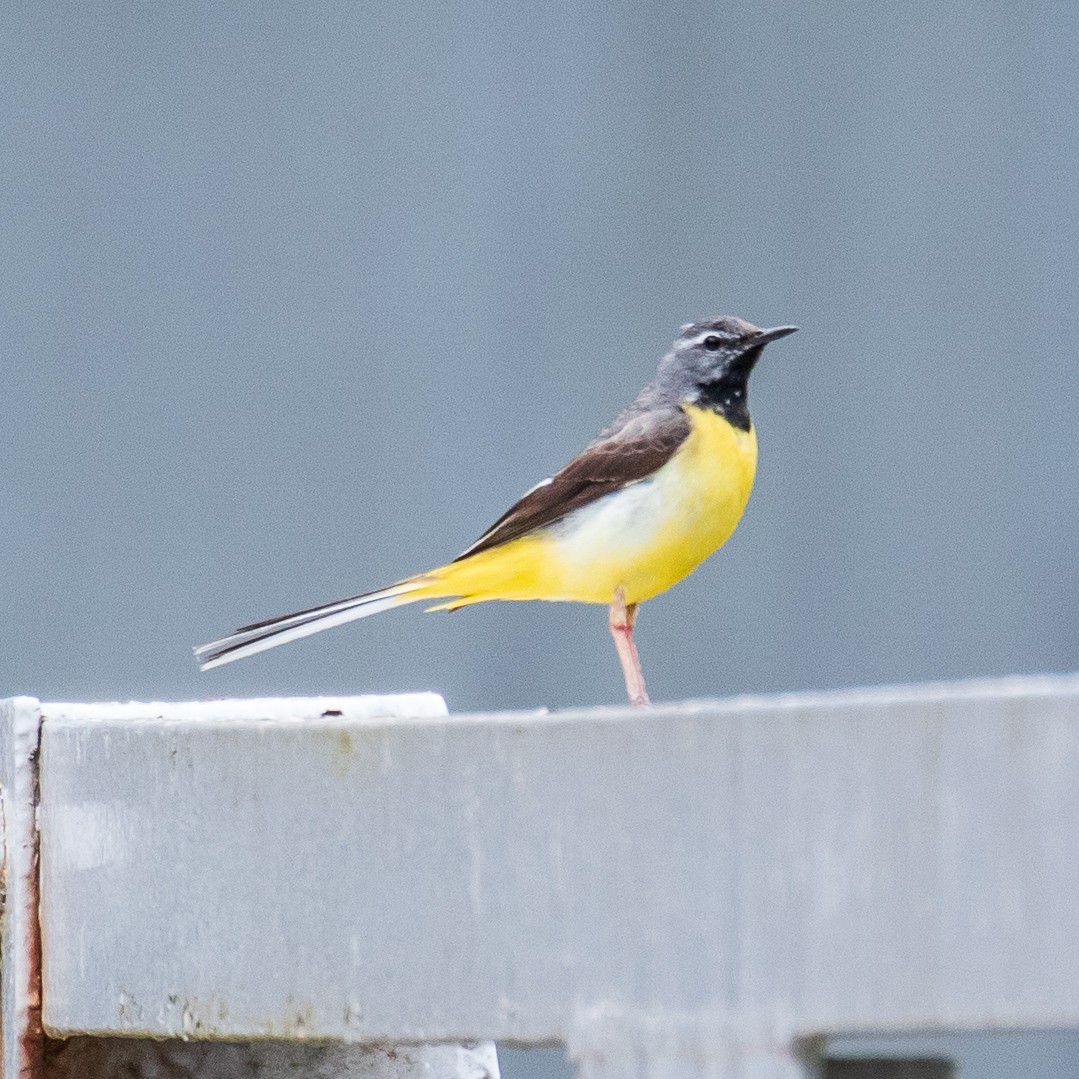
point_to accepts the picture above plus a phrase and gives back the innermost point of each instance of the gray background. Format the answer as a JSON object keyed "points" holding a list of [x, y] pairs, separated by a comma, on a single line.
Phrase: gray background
{"points": [[294, 300]]}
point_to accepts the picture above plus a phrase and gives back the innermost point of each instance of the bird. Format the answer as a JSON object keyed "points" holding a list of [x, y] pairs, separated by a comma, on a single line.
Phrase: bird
{"points": [[639, 508]]}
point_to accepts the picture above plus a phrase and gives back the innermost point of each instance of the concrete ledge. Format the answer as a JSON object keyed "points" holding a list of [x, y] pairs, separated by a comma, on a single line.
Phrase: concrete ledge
{"points": [[708, 881]]}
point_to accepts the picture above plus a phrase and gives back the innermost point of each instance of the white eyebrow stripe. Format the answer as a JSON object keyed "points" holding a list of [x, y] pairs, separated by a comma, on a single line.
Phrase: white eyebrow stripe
{"points": [[700, 338]]}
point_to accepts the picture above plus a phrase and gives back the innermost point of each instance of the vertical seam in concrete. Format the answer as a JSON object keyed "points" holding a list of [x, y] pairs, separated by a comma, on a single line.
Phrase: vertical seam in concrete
{"points": [[32, 1040], [23, 1039]]}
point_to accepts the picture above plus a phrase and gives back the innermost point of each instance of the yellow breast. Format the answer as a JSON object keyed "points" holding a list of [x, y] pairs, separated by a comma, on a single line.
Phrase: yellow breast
{"points": [[651, 534]]}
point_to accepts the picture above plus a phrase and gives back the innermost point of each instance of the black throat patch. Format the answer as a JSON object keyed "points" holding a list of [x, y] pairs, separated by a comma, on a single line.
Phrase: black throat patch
{"points": [[729, 394]]}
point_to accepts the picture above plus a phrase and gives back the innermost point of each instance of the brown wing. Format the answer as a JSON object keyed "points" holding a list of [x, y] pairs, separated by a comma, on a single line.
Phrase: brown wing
{"points": [[624, 454]]}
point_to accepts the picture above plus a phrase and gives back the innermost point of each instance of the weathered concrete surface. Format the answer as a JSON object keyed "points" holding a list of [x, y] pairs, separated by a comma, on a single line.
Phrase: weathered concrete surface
{"points": [[682, 890], [20, 951], [28, 1055], [138, 1058]]}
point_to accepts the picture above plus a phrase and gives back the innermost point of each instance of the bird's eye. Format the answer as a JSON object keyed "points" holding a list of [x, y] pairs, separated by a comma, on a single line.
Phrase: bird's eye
{"points": [[712, 344]]}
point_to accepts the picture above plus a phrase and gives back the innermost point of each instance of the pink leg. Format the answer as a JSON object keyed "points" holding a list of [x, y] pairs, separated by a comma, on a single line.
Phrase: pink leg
{"points": [[621, 617]]}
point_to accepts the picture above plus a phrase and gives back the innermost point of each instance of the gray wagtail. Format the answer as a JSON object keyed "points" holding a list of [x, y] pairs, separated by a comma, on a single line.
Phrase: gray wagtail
{"points": [[643, 505]]}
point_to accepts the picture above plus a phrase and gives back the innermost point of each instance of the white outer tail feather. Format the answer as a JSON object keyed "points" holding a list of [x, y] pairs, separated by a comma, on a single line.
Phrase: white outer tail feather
{"points": [[291, 627]]}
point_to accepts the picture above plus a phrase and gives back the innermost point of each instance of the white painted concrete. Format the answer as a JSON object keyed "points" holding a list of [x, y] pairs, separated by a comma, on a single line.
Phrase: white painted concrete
{"points": [[96, 841], [687, 890]]}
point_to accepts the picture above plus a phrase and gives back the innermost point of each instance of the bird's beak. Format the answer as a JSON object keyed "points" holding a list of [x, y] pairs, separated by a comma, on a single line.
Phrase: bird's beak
{"points": [[773, 334]]}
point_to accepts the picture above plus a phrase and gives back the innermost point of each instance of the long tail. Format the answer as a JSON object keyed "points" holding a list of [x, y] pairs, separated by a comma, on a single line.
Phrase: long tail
{"points": [[259, 636], [505, 572]]}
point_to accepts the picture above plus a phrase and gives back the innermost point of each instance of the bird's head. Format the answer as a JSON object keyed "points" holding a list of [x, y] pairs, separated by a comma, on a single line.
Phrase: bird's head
{"points": [[710, 362]]}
